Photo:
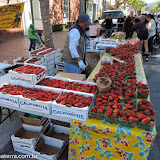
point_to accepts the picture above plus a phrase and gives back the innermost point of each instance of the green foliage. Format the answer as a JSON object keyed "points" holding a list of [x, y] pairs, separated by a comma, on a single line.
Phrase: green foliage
{"points": [[58, 27], [156, 8], [137, 5]]}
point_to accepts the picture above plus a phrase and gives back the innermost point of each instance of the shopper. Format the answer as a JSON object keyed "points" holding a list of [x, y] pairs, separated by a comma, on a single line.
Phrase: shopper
{"points": [[134, 21], [120, 22], [32, 37], [74, 48], [138, 14], [108, 25], [95, 29], [128, 25], [142, 33], [152, 32]]}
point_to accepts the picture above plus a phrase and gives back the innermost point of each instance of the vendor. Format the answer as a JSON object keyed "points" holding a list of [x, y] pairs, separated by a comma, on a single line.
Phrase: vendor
{"points": [[74, 48]]}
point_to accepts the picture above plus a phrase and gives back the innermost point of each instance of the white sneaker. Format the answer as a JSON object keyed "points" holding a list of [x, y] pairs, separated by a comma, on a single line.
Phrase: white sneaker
{"points": [[147, 59]]}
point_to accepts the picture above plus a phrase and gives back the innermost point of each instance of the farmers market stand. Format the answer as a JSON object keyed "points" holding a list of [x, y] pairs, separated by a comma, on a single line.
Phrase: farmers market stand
{"points": [[99, 139]]}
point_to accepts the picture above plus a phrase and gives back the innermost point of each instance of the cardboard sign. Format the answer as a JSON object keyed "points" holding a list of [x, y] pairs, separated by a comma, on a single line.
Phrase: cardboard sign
{"points": [[11, 16]]}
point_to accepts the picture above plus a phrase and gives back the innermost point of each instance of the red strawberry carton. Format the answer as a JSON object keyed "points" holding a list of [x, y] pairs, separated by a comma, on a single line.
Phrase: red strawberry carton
{"points": [[8, 99], [36, 61], [66, 105], [39, 104], [19, 60], [54, 82], [28, 74], [36, 52], [83, 86]]}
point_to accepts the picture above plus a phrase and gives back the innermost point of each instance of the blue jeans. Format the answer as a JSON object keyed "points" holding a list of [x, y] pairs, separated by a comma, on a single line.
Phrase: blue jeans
{"points": [[108, 33], [71, 68], [119, 29], [32, 44]]}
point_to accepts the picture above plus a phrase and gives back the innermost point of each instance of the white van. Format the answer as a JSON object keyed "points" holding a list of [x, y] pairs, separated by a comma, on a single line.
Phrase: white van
{"points": [[115, 16]]}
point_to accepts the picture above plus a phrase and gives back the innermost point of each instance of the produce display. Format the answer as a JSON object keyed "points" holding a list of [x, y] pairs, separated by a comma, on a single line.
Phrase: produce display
{"points": [[71, 99], [37, 94], [82, 87], [28, 69], [121, 101], [54, 83]]}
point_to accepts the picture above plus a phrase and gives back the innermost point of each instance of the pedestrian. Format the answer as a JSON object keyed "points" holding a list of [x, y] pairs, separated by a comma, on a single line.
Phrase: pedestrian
{"points": [[152, 32], [120, 22], [95, 29], [142, 33], [134, 21], [128, 25], [108, 25], [32, 37], [138, 14], [74, 48]]}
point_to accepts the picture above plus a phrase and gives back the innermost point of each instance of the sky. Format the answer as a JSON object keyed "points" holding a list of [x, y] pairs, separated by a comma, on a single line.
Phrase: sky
{"points": [[150, 1]]}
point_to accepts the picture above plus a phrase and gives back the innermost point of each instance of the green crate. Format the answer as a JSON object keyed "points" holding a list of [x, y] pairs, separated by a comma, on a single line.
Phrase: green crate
{"points": [[96, 115], [112, 119], [141, 96], [128, 124], [148, 127]]}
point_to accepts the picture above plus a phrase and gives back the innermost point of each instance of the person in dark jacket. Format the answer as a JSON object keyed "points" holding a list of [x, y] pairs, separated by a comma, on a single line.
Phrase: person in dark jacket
{"points": [[120, 22], [142, 33], [108, 25], [128, 25]]}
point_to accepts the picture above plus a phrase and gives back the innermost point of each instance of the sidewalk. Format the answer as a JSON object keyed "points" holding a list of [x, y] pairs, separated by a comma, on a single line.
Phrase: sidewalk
{"points": [[13, 48]]}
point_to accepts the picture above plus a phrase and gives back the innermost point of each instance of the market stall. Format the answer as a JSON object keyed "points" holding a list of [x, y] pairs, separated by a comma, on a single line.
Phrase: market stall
{"points": [[99, 139]]}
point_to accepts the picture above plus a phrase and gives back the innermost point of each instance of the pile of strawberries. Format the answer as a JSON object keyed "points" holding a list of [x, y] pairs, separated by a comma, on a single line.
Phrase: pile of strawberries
{"points": [[36, 51], [82, 87], [46, 52], [54, 83], [28, 69], [22, 60], [71, 99], [33, 60], [30, 93], [143, 90]]}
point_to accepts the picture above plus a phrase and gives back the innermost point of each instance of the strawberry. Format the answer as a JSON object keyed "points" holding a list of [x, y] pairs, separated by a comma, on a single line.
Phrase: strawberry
{"points": [[153, 113], [146, 120], [123, 113], [115, 115], [116, 111], [133, 119], [124, 118], [109, 112], [93, 110], [151, 123], [100, 111], [152, 118], [131, 113], [142, 116], [145, 101], [147, 112], [143, 107]]}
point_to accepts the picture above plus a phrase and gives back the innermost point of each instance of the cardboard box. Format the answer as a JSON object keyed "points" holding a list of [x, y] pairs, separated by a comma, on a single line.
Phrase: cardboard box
{"points": [[22, 78], [57, 60], [72, 112], [8, 99], [73, 76], [40, 62], [37, 105], [57, 78], [46, 149], [17, 59], [84, 82], [36, 52], [101, 46]]}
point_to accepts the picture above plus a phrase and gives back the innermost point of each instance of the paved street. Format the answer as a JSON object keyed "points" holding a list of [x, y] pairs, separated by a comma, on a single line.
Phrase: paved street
{"points": [[14, 48]]}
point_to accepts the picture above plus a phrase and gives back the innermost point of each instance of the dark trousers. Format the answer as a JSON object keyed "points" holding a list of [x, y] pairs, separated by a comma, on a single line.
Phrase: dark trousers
{"points": [[150, 44], [127, 34], [32, 44], [119, 29]]}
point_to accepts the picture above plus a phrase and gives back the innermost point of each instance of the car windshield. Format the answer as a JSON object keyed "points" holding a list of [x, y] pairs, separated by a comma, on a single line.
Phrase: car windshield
{"points": [[115, 15]]}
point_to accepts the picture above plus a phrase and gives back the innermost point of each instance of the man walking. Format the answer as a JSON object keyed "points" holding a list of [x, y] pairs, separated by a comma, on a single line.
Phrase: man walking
{"points": [[108, 25]]}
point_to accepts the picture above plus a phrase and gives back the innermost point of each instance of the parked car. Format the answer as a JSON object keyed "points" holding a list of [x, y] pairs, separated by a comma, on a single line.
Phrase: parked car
{"points": [[115, 16]]}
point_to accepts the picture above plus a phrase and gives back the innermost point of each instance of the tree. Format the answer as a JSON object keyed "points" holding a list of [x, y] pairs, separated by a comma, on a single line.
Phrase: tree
{"points": [[118, 3], [137, 5], [156, 8], [47, 28]]}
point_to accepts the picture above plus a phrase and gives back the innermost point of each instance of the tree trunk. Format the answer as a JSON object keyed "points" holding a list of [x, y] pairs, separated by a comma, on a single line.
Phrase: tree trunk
{"points": [[47, 28]]}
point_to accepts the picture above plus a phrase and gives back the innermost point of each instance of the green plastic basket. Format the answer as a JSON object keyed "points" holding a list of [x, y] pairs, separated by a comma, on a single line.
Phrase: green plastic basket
{"points": [[112, 119], [148, 127], [128, 124]]}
